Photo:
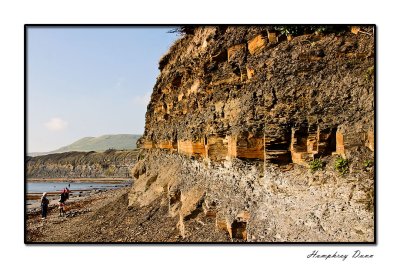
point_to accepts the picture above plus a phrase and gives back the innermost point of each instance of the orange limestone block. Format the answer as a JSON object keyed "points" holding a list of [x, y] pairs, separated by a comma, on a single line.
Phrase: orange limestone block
{"points": [[249, 148], [256, 44], [370, 140], [165, 145], [148, 145], [339, 143], [190, 148], [272, 38]]}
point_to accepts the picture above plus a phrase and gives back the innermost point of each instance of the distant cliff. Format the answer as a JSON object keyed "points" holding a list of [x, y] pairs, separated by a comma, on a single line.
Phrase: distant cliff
{"points": [[108, 164]]}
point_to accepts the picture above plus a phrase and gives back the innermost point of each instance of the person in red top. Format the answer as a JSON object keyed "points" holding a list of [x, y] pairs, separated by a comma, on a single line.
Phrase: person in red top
{"points": [[61, 203]]}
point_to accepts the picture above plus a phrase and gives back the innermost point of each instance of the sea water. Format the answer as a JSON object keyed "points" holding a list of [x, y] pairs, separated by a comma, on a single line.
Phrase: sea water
{"points": [[40, 187]]}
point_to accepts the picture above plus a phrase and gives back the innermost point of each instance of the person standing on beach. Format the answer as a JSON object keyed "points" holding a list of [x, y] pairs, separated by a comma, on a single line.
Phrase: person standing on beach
{"points": [[44, 204], [67, 191], [63, 198], [61, 202]]}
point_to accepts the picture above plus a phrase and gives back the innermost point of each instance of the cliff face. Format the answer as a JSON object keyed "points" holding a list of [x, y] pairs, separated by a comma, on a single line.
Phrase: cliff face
{"points": [[235, 119], [109, 164]]}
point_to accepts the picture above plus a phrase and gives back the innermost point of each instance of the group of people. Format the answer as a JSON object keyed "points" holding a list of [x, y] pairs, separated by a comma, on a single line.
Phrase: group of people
{"points": [[64, 196]]}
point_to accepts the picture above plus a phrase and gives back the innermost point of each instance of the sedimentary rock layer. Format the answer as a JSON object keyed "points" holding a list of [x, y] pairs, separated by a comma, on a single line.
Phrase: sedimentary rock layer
{"points": [[107, 164], [236, 116], [262, 98]]}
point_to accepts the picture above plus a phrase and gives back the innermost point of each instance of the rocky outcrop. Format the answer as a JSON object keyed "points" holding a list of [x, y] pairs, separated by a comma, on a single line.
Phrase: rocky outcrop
{"points": [[235, 119], [109, 164]]}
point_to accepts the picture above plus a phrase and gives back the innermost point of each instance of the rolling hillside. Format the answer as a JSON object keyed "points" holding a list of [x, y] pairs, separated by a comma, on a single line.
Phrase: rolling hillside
{"points": [[99, 144]]}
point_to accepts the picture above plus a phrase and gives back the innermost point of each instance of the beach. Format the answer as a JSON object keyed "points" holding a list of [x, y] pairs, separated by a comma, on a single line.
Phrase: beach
{"points": [[78, 188], [104, 216]]}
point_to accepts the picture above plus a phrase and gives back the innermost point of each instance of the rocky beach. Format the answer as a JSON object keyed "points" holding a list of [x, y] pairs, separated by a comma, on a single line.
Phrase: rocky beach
{"points": [[101, 216]]}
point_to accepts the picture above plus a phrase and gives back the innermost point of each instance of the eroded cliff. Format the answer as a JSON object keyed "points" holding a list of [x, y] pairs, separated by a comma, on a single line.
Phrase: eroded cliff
{"points": [[237, 117], [108, 164]]}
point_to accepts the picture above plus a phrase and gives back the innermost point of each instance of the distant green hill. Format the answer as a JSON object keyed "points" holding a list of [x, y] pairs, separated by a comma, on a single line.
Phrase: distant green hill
{"points": [[99, 144], [102, 143]]}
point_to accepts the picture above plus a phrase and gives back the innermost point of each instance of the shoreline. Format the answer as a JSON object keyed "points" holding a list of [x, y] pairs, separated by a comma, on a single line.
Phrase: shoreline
{"points": [[74, 200], [32, 199], [103, 180], [76, 209]]}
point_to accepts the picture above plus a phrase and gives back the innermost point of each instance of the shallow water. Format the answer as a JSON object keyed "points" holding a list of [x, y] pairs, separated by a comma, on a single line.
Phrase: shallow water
{"points": [[40, 187]]}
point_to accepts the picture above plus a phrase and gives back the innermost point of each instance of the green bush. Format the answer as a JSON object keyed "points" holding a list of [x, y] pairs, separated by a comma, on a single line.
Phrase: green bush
{"points": [[342, 165], [325, 29], [319, 29], [289, 30], [316, 164]]}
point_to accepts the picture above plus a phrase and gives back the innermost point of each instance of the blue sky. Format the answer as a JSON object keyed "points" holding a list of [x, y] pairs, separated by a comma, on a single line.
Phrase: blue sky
{"points": [[90, 81]]}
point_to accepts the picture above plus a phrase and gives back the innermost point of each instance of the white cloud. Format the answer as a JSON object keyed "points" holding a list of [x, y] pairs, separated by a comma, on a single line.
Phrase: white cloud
{"points": [[142, 100], [56, 124]]}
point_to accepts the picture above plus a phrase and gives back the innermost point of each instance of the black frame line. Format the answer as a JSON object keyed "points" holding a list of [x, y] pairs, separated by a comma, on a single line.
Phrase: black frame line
{"points": [[373, 243]]}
